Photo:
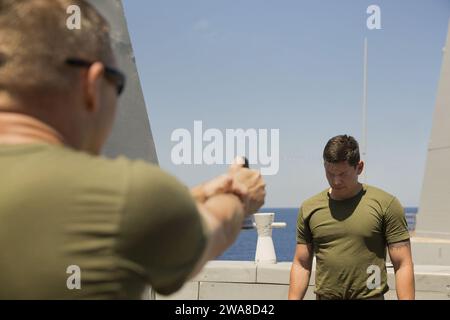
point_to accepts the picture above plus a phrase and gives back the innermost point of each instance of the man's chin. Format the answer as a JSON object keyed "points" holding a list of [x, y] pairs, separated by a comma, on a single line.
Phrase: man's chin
{"points": [[340, 193]]}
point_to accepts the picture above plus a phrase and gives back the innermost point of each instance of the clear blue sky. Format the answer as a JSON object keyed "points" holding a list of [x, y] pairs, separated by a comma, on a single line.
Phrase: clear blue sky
{"points": [[295, 66]]}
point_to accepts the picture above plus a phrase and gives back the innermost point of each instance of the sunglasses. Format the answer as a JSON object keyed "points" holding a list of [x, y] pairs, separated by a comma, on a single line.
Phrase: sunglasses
{"points": [[114, 75]]}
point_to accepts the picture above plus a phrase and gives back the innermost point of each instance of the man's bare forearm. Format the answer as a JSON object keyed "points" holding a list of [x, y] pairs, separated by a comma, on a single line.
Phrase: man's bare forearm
{"points": [[299, 281], [404, 282], [401, 258], [198, 193], [226, 213], [223, 216]]}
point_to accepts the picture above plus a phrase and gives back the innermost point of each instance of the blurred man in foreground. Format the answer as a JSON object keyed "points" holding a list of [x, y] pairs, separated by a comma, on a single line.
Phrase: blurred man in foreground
{"points": [[121, 223]]}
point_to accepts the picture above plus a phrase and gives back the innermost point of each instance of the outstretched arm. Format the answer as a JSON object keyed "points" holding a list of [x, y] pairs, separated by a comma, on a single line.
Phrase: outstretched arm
{"points": [[223, 204]]}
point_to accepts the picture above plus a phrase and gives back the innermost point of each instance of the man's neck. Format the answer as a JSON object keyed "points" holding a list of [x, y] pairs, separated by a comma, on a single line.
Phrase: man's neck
{"points": [[16, 128]]}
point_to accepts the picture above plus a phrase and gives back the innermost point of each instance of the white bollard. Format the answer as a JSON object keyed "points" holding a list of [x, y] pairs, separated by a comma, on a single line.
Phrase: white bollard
{"points": [[265, 250]]}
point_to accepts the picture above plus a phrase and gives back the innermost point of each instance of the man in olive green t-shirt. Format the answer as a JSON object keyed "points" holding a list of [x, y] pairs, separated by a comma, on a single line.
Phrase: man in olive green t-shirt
{"points": [[72, 223], [347, 228]]}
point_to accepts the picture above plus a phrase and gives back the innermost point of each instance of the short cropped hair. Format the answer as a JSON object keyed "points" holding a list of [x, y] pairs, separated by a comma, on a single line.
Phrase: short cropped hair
{"points": [[35, 42], [342, 148]]}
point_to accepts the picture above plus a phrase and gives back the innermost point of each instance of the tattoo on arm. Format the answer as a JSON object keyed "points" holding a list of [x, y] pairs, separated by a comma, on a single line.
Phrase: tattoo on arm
{"points": [[399, 245], [400, 253]]}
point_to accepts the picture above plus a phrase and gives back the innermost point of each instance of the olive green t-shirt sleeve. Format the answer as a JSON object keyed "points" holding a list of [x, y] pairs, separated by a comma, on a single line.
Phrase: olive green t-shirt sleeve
{"points": [[396, 227], [161, 229], [303, 231]]}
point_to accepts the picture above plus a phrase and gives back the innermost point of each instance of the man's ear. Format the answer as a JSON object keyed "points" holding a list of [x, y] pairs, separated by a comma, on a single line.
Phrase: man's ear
{"points": [[360, 167], [93, 85]]}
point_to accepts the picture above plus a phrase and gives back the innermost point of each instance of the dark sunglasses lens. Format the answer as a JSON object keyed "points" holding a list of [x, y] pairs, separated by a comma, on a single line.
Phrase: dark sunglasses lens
{"points": [[118, 79], [114, 75], [121, 86]]}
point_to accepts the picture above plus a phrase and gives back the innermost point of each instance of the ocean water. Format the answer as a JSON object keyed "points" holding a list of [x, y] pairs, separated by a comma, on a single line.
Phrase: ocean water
{"points": [[284, 239]]}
